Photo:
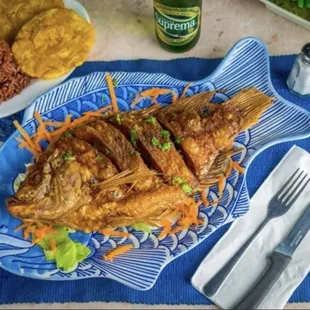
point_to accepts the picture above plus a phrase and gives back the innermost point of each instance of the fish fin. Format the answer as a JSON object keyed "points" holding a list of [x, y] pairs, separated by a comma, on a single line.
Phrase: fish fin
{"points": [[195, 103], [125, 177], [251, 104], [222, 165]]}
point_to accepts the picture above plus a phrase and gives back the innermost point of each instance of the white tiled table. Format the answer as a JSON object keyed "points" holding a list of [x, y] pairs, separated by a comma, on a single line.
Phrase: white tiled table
{"points": [[125, 30]]}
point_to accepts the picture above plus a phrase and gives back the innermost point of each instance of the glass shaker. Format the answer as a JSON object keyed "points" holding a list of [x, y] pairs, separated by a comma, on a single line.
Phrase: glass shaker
{"points": [[299, 79]]}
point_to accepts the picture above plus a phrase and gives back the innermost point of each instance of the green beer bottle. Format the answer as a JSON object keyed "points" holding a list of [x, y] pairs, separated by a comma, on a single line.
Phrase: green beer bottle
{"points": [[177, 24]]}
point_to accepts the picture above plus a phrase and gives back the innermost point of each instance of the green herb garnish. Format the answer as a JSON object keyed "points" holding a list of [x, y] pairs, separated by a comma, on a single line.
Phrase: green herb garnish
{"points": [[156, 142], [114, 82], [186, 189], [166, 146], [179, 139], [118, 118], [100, 158], [68, 134], [133, 136], [165, 134], [178, 180], [67, 156], [151, 120], [135, 153]]}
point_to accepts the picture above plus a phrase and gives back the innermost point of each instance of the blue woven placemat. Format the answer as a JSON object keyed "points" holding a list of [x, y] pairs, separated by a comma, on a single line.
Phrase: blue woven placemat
{"points": [[173, 285]]}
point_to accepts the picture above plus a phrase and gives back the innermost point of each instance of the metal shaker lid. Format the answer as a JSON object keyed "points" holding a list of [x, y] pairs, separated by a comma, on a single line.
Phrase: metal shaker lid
{"points": [[305, 54]]}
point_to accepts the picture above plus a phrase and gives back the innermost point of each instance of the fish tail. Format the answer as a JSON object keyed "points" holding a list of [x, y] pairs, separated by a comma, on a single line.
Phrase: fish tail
{"points": [[251, 104]]}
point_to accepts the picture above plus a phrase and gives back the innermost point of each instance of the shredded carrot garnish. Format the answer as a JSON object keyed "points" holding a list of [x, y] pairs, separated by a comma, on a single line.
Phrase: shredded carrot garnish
{"points": [[112, 93], [221, 184], [185, 90], [166, 228], [237, 167], [153, 93], [53, 124], [229, 168], [118, 251], [20, 227], [41, 232], [52, 243], [41, 129], [31, 145], [111, 232], [204, 198], [176, 230]]}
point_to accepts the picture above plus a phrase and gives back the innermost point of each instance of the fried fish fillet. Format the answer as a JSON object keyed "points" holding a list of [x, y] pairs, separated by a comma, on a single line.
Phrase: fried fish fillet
{"points": [[149, 138], [142, 207], [53, 43], [110, 141], [203, 137]]}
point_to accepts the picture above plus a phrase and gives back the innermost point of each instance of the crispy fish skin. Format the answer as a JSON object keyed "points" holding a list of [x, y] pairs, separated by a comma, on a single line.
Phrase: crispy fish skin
{"points": [[141, 207], [61, 181], [110, 141], [53, 43], [168, 162], [16, 13]]}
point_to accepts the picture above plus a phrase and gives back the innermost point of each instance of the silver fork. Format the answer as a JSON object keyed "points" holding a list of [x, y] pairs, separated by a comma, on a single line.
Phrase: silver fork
{"points": [[278, 205]]}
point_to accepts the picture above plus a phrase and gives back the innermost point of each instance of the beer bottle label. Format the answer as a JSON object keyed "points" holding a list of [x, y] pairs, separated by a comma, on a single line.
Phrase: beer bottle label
{"points": [[176, 26]]}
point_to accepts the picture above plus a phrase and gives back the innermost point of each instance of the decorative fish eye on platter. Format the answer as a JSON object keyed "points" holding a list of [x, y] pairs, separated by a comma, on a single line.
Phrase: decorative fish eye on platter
{"points": [[136, 167]]}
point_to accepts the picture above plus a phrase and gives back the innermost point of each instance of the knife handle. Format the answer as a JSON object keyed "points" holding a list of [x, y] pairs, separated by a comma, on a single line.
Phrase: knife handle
{"points": [[278, 263]]}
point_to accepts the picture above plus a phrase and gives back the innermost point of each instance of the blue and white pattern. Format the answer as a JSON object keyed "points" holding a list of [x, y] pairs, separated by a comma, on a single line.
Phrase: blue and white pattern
{"points": [[246, 65]]}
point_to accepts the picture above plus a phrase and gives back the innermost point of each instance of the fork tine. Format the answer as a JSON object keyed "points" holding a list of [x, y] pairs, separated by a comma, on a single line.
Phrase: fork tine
{"points": [[290, 191], [294, 198], [280, 191]]}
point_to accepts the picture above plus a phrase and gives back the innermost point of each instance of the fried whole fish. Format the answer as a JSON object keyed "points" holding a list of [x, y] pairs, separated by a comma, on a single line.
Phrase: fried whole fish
{"points": [[96, 179]]}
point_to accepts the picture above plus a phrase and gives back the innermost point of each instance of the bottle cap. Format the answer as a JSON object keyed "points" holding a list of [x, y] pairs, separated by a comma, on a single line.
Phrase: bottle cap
{"points": [[305, 54]]}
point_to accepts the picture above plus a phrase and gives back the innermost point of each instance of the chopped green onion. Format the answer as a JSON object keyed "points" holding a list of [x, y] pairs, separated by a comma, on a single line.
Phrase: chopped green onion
{"points": [[178, 180], [100, 158], [151, 120], [156, 142], [165, 134], [133, 136], [68, 134], [114, 82], [179, 139], [118, 118], [67, 156], [166, 146], [186, 189]]}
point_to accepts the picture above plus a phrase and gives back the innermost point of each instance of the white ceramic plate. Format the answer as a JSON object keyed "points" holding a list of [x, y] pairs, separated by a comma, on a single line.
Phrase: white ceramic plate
{"points": [[37, 87]]}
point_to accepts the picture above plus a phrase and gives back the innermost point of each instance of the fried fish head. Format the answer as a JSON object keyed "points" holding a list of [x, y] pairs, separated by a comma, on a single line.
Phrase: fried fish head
{"points": [[15, 13], [61, 181], [51, 189], [53, 43]]}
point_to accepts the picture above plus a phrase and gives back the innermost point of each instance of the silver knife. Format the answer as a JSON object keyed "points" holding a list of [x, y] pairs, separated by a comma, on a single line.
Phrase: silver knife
{"points": [[279, 260]]}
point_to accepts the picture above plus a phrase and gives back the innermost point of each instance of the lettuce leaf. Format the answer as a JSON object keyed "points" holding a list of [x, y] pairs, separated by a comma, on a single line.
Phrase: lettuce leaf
{"points": [[68, 252], [142, 227]]}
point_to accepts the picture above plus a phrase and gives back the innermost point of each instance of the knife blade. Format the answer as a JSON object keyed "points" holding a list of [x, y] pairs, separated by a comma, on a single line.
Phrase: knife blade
{"points": [[279, 260]]}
